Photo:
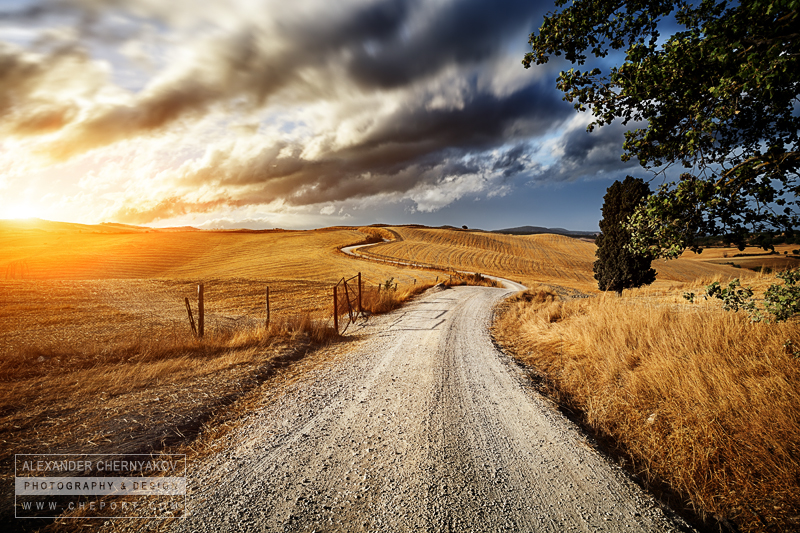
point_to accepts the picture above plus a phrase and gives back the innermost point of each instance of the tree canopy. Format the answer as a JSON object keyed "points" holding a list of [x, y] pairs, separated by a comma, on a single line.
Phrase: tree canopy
{"points": [[618, 268], [719, 97]]}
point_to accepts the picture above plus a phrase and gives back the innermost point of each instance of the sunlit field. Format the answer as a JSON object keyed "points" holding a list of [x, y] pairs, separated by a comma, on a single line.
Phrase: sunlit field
{"points": [[97, 355], [530, 259]]}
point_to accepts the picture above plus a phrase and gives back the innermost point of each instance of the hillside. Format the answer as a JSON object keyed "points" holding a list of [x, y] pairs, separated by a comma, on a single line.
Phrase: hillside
{"points": [[62, 251], [530, 259], [535, 230], [90, 312]]}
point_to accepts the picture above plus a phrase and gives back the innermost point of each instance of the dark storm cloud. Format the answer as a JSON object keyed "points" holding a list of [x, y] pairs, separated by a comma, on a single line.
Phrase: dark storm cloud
{"points": [[465, 32], [514, 161], [409, 148], [243, 68], [485, 120], [588, 154]]}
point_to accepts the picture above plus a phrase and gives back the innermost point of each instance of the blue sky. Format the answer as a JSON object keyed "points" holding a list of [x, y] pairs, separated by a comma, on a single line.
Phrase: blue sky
{"points": [[264, 114]]}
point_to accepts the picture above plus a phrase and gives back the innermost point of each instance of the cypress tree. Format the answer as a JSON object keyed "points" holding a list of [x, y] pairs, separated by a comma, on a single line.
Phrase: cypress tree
{"points": [[617, 268]]}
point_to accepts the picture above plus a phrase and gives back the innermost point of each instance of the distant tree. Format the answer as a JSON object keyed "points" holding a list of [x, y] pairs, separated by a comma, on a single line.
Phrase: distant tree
{"points": [[464, 227], [618, 268]]}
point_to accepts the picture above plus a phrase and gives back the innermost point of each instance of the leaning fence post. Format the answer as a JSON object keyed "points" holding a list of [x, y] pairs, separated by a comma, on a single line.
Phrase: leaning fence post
{"points": [[335, 311], [359, 293], [200, 312], [191, 318], [267, 307]]}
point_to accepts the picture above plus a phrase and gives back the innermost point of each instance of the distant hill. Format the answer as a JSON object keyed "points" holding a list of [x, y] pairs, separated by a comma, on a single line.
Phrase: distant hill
{"points": [[51, 226], [534, 230]]}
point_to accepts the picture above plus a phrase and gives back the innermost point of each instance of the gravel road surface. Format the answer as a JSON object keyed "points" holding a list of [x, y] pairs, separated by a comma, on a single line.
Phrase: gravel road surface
{"points": [[422, 426]]}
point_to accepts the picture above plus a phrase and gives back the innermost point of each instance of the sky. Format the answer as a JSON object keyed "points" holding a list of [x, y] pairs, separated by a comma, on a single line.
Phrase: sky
{"points": [[296, 115]]}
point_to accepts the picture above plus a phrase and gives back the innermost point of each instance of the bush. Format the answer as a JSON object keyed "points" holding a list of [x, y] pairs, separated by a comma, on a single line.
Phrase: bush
{"points": [[733, 298], [783, 301]]}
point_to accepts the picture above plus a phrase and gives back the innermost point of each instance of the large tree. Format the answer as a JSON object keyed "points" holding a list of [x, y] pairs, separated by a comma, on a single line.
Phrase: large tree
{"points": [[719, 97], [618, 268]]}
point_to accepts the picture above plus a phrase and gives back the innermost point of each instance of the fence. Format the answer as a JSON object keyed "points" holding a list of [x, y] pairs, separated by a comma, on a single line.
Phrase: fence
{"points": [[347, 293], [198, 328], [347, 300]]}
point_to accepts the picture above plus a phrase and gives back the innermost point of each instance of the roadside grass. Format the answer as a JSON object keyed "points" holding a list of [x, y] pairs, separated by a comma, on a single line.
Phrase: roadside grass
{"points": [[376, 301], [58, 386], [702, 402]]}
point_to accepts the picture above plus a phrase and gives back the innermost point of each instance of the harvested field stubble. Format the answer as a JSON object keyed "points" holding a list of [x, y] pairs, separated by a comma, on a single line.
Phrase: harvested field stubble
{"points": [[530, 259], [700, 400]]}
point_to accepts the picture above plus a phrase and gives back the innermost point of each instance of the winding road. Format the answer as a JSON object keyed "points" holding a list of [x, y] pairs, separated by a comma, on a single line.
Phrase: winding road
{"points": [[422, 425]]}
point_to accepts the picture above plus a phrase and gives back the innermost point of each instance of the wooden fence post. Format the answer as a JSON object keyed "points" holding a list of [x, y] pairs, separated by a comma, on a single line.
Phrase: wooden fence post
{"points": [[267, 307], [335, 311], [359, 293], [191, 318], [200, 312]]}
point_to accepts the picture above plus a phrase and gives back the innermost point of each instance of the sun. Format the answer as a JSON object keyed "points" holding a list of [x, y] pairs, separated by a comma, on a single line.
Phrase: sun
{"points": [[18, 211]]}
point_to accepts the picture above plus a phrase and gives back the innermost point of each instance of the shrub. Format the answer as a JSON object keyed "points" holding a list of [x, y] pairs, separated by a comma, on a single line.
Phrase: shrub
{"points": [[783, 301]]}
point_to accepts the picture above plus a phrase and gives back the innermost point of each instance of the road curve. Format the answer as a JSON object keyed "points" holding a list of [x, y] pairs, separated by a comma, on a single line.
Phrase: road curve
{"points": [[351, 251], [422, 426]]}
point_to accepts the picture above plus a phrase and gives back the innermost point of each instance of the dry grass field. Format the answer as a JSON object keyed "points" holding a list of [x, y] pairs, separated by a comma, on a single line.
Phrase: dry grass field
{"points": [[700, 401], [755, 258]]}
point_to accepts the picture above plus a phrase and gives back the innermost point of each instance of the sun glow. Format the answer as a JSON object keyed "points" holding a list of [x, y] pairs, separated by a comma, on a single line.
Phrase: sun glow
{"points": [[19, 211]]}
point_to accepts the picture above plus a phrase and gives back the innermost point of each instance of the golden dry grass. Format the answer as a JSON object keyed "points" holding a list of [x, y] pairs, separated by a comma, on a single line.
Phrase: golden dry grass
{"points": [[154, 392], [754, 258], [703, 402]]}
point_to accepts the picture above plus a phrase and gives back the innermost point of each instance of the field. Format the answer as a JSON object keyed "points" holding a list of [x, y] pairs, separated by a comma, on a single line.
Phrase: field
{"points": [[530, 259], [96, 352], [699, 403], [755, 258]]}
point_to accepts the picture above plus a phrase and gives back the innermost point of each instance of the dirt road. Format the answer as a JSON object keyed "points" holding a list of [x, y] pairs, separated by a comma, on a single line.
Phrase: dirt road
{"points": [[424, 426]]}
